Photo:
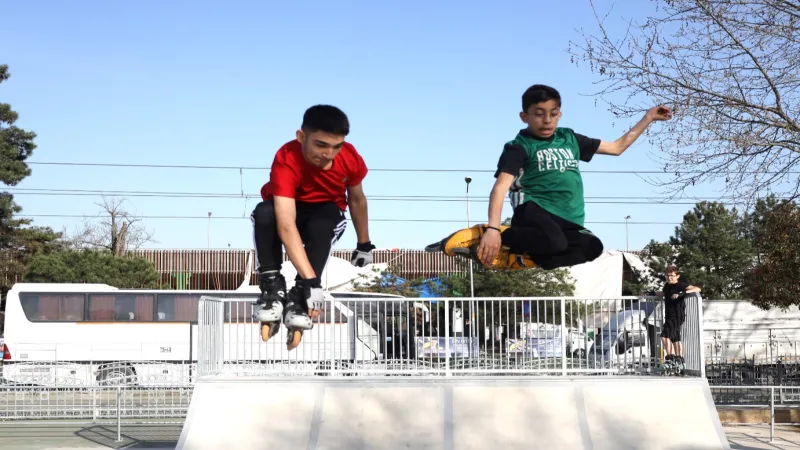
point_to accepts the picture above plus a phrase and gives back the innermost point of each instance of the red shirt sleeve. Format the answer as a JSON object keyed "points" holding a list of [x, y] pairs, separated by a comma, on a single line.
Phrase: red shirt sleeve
{"points": [[283, 178], [358, 171]]}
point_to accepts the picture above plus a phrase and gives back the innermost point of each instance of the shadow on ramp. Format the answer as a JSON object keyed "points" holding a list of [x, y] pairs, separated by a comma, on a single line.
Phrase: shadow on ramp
{"points": [[453, 413]]}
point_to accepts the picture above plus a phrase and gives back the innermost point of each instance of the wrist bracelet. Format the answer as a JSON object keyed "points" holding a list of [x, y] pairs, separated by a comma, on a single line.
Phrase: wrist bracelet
{"points": [[493, 228]]}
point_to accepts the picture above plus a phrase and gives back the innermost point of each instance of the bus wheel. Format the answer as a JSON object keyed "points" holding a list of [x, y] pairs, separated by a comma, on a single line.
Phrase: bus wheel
{"points": [[116, 376]]}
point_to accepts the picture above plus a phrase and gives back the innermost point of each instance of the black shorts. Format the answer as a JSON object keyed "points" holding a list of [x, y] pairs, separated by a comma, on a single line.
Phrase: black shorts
{"points": [[672, 327], [550, 241]]}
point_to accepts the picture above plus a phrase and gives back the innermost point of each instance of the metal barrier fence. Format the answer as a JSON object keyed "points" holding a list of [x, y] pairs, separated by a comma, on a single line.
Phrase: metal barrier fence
{"points": [[356, 337], [89, 373], [787, 398], [450, 337], [93, 404], [754, 371]]}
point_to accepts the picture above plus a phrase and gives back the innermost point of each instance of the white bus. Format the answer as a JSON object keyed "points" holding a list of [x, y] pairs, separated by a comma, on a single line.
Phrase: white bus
{"points": [[85, 334]]}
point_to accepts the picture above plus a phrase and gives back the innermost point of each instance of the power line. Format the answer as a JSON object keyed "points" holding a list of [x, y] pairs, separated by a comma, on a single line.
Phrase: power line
{"points": [[75, 216], [210, 167], [631, 200]]}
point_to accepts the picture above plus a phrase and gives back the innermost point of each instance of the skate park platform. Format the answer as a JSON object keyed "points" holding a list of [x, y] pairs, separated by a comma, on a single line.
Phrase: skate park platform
{"points": [[453, 413]]}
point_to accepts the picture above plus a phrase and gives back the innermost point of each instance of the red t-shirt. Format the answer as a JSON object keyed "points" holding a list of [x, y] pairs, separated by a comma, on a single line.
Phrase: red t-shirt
{"points": [[292, 176]]}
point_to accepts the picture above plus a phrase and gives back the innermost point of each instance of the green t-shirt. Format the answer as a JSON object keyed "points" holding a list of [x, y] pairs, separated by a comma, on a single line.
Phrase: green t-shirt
{"points": [[547, 172]]}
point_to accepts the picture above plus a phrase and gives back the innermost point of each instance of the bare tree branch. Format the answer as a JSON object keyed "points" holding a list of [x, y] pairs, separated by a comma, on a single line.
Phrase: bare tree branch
{"points": [[113, 229], [730, 70]]}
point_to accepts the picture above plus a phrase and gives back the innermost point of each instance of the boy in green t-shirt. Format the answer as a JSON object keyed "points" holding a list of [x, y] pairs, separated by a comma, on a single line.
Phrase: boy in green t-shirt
{"points": [[540, 169]]}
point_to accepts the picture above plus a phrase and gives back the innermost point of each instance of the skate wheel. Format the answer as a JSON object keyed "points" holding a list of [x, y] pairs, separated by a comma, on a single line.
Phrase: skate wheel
{"points": [[294, 339], [265, 329]]}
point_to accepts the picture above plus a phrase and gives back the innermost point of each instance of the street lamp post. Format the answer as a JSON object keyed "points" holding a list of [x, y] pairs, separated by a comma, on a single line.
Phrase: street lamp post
{"points": [[627, 245], [468, 180], [471, 315], [209, 230]]}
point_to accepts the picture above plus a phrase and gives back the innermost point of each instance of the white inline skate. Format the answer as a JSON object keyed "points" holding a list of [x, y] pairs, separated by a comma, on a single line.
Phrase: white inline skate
{"points": [[303, 304], [269, 307]]}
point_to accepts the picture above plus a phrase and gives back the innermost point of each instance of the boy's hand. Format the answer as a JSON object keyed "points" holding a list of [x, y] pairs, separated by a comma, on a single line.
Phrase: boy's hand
{"points": [[362, 255], [312, 293], [659, 113], [489, 247]]}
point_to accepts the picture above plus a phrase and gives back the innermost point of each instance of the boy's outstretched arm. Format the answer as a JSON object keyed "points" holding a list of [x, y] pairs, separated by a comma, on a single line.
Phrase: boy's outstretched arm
{"points": [[286, 216], [357, 202], [491, 241], [617, 147]]}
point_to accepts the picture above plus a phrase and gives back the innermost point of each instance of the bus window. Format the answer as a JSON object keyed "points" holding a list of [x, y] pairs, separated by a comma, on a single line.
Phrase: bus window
{"points": [[177, 308], [53, 307], [243, 311], [121, 307]]}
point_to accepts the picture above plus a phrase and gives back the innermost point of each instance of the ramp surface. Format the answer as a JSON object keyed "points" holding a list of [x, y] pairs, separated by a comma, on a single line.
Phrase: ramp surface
{"points": [[453, 414]]}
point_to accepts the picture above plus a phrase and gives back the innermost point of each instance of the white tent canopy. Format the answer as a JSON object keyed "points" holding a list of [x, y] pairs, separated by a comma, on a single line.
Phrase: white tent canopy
{"points": [[339, 274], [603, 276]]}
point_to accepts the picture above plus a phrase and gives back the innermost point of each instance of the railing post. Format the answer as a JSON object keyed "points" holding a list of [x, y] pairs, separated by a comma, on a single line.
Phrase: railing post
{"points": [[701, 347], [94, 403], [447, 336], [771, 413], [329, 339], [202, 345], [563, 337], [219, 342], [119, 414]]}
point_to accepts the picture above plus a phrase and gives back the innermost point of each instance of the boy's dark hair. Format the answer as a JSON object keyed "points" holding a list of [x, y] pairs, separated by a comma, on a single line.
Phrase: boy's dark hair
{"points": [[539, 93], [672, 268], [327, 118]]}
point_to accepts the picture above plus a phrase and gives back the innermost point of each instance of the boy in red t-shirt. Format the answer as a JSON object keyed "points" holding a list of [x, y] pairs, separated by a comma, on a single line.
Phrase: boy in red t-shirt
{"points": [[312, 182]]}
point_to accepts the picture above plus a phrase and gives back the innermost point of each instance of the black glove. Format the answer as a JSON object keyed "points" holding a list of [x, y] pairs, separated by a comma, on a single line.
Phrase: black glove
{"points": [[362, 255], [309, 283], [312, 292]]}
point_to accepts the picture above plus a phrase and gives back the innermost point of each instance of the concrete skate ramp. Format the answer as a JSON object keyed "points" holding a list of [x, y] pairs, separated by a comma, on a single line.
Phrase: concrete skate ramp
{"points": [[455, 413]]}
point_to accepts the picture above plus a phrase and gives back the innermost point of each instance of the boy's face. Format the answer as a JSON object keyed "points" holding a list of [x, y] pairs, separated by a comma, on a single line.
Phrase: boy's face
{"points": [[542, 118], [672, 277], [319, 148]]}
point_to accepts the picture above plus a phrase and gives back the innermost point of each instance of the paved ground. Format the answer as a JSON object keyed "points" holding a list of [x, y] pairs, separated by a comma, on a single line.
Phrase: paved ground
{"points": [[63, 436], [756, 436]]}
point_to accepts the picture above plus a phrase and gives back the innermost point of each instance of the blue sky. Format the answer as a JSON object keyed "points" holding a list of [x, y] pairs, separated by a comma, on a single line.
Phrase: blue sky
{"points": [[225, 84]]}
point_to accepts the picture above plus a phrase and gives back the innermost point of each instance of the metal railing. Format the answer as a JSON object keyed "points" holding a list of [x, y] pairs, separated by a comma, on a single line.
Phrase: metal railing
{"points": [[94, 405], [450, 337], [88, 373], [210, 311], [692, 335], [787, 398], [754, 371]]}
